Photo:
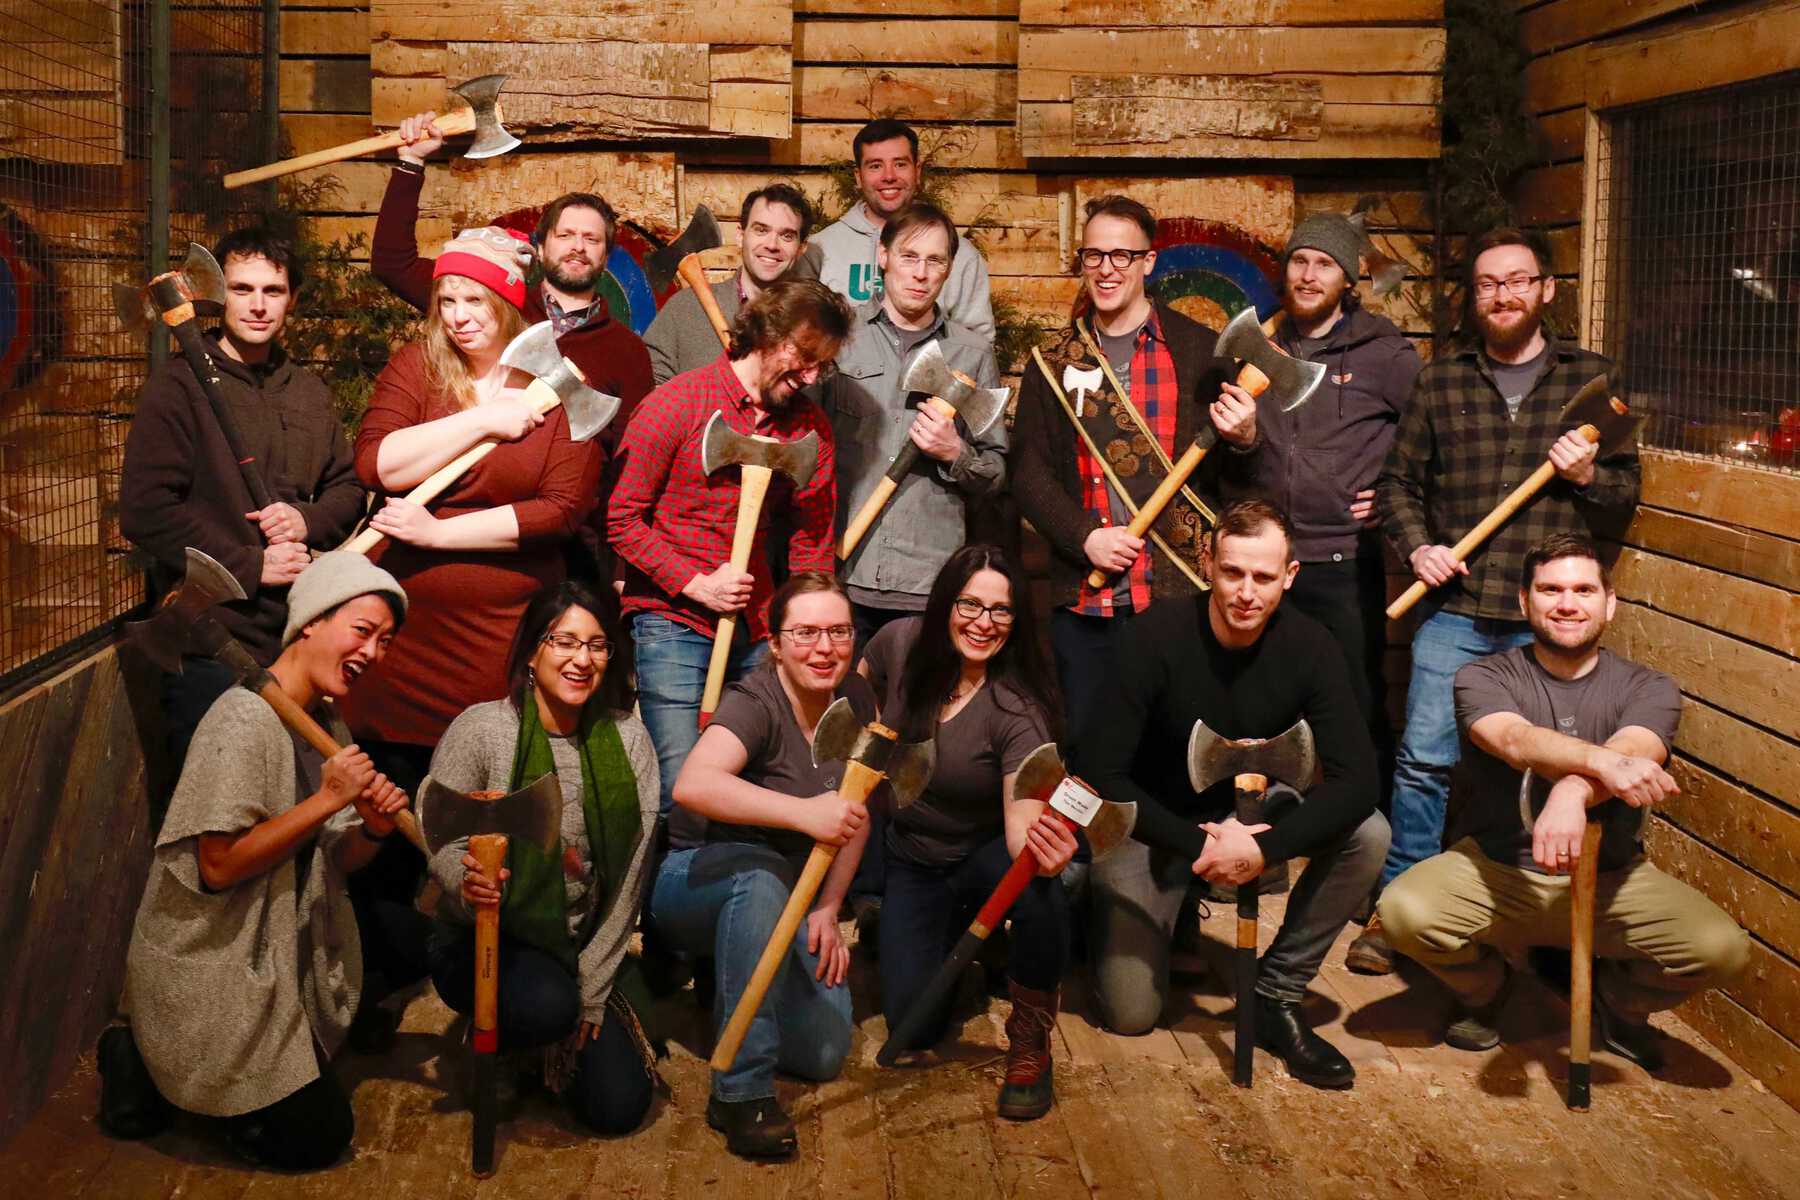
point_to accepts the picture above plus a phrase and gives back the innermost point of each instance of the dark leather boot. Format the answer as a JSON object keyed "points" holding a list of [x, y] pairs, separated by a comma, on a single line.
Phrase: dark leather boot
{"points": [[1282, 1031], [130, 1105], [1028, 1092], [753, 1128]]}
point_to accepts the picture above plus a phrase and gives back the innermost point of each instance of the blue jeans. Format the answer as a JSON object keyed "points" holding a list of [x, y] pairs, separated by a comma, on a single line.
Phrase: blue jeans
{"points": [[723, 900], [1429, 745], [671, 668]]}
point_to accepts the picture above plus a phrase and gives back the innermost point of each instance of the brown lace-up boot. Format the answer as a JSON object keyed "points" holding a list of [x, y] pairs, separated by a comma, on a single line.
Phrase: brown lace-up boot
{"points": [[1027, 1093]]}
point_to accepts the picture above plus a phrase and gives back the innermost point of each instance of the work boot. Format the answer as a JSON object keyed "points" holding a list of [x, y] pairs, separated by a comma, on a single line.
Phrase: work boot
{"points": [[1477, 1026], [1028, 1092], [1283, 1032], [1370, 953], [130, 1105], [753, 1128], [1630, 1038]]}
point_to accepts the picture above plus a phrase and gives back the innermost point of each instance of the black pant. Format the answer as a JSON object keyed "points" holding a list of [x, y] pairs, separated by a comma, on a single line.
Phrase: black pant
{"points": [[383, 889], [1349, 598], [539, 1004], [1085, 648], [303, 1131], [871, 870], [928, 908]]}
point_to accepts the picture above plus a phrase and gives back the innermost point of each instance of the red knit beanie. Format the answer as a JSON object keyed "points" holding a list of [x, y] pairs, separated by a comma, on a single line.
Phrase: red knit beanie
{"points": [[489, 255]]}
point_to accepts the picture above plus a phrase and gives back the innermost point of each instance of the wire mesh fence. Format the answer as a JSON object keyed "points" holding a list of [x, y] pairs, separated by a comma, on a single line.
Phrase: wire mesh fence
{"points": [[1696, 274], [79, 135]]}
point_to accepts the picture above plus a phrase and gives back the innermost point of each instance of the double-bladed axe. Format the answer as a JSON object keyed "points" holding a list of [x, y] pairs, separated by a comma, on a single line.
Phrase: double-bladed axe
{"points": [[490, 822], [481, 116], [1040, 777], [951, 394], [870, 753], [183, 625], [555, 380], [1250, 763]]}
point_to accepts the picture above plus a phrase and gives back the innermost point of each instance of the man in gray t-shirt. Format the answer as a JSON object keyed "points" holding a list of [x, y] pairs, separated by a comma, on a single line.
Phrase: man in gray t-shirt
{"points": [[1555, 735]]}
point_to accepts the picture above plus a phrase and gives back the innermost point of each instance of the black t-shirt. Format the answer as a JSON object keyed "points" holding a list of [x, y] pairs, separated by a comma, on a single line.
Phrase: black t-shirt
{"points": [[961, 808], [1494, 802]]}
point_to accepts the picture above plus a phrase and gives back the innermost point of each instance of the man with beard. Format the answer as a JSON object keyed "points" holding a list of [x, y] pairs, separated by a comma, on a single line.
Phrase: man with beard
{"points": [[1557, 733], [1479, 421], [887, 172], [773, 225], [671, 523]]}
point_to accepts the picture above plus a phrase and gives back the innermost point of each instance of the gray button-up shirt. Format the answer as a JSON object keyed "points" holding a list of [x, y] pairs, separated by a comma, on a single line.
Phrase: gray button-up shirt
{"points": [[924, 524]]}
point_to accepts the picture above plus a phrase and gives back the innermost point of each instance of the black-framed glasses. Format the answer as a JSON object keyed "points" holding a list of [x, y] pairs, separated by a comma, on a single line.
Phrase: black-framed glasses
{"points": [[808, 635], [1518, 285], [1121, 258], [566, 644], [969, 608]]}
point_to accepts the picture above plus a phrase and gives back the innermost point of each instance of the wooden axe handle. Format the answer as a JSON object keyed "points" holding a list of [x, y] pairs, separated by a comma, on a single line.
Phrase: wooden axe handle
{"points": [[1581, 966], [1249, 811], [694, 275], [865, 516], [1165, 491], [859, 781], [1485, 529], [456, 121], [754, 486]]}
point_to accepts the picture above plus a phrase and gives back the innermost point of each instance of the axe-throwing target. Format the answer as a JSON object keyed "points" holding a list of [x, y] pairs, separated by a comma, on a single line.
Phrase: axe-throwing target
{"points": [[1212, 270], [623, 284]]}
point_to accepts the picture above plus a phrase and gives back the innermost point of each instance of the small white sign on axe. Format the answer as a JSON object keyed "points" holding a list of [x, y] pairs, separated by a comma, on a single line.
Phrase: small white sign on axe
{"points": [[1075, 801]]}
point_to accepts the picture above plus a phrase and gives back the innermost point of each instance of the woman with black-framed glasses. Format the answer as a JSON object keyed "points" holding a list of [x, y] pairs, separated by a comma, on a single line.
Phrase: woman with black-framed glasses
{"points": [[969, 673]]}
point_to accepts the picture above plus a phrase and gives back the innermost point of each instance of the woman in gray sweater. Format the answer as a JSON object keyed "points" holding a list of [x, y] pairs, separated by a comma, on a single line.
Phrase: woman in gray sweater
{"points": [[566, 918]]}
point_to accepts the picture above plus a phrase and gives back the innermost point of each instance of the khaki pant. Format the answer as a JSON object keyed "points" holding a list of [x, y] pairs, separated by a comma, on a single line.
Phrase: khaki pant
{"points": [[1657, 939]]}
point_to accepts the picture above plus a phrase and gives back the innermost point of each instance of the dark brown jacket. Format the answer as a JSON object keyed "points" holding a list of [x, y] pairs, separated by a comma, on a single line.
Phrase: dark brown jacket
{"points": [[1041, 461]]}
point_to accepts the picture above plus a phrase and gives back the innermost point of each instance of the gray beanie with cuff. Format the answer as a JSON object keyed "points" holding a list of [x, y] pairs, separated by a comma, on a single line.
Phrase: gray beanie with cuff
{"points": [[332, 579], [1334, 235]]}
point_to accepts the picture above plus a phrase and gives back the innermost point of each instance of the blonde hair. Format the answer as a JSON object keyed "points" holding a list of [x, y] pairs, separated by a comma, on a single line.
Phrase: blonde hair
{"points": [[446, 368]]}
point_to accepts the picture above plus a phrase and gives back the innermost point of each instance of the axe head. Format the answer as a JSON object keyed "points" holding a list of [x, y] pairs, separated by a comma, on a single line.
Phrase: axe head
{"points": [[198, 281], [906, 766], [535, 352], [482, 94], [1385, 272], [723, 446], [164, 637], [931, 374], [1289, 758], [531, 814], [1292, 381], [1595, 405], [702, 233], [1038, 777]]}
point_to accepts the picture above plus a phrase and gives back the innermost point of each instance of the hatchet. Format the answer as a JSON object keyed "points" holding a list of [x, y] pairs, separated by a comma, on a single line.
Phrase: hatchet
{"points": [[555, 380], [1596, 416], [490, 822], [183, 625], [951, 394], [1040, 777], [870, 753], [480, 115], [1250, 763], [681, 259], [758, 458]]}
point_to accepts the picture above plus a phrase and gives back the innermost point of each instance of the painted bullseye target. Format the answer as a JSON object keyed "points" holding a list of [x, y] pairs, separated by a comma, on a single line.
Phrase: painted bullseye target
{"points": [[1211, 270]]}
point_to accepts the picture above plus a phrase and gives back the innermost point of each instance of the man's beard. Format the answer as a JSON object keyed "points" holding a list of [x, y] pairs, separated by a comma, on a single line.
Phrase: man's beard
{"points": [[1508, 340], [1311, 310], [574, 277]]}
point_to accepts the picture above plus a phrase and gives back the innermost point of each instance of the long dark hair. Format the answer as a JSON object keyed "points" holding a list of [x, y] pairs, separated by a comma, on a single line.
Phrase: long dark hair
{"points": [[542, 614], [932, 669]]}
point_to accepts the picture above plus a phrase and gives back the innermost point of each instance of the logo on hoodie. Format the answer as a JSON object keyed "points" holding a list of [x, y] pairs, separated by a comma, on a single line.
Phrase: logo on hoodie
{"points": [[865, 282]]}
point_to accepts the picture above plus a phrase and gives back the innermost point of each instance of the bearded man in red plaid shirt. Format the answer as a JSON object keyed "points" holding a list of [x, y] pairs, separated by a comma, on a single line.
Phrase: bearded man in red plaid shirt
{"points": [[671, 524]]}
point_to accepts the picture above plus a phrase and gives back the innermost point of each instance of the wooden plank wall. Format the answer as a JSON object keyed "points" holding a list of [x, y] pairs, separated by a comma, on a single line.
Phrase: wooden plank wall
{"points": [[1709, 573]]}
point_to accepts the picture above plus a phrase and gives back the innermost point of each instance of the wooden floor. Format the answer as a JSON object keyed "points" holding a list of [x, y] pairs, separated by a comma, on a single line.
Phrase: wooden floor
{"points": [[1135, 1117]]}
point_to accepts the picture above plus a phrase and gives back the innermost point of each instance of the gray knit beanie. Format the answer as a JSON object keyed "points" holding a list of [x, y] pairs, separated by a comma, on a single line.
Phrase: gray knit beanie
{"points": [[331, 580], [1333, 234]]}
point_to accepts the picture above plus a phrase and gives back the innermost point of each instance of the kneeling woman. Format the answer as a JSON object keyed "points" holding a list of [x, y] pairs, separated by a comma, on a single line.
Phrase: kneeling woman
{"points": [[565, 919], [244, 968], [969, 673], [749, 806]]}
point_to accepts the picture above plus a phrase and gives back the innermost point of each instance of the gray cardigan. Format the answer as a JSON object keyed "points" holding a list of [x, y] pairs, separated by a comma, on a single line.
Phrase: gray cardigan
{"points": [[681, 339]]}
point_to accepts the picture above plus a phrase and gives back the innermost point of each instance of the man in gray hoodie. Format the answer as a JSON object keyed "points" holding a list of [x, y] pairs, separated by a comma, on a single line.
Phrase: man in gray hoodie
{"points": [[887, 174]]}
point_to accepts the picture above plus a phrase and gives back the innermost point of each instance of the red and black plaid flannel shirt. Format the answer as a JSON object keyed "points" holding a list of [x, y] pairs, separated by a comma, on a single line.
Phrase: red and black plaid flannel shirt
{"points": [[669, 522], [1154, 392]]}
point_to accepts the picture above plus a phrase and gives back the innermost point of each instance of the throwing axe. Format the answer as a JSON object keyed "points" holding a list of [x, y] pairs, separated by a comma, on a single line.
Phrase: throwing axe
{"points": [[1250, 763], [1596, 416], [480, 116], [952, 394], [555, 381], [870, 753], [1041, 777], [184, 626], [758, 458], [532, 815], [680, 259]]}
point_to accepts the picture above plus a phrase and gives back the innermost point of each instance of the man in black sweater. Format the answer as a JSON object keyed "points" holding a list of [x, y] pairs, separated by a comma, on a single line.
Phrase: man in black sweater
{"points": [[1236, 661]]}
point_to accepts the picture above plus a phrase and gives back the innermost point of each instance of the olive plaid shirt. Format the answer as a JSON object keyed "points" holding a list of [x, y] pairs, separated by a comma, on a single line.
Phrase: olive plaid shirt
{"points": [[1457, 454]]}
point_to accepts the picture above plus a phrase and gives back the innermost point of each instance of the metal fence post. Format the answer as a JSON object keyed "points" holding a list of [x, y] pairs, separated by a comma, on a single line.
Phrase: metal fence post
{"points": [[157, 228], [271, 93]]}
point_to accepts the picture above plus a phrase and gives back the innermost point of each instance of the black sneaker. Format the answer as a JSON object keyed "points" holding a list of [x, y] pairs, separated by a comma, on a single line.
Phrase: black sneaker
{"points": [[753, 1128], [1635, 1041], [130, 1106], [1477, 1027]]}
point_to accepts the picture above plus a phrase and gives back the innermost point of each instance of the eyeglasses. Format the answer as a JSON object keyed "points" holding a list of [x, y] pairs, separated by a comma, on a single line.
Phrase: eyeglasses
{"points": [[969, 608], [808, 635], [566, 644], [1121, 258], [1518, 285], [937, 263]]}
